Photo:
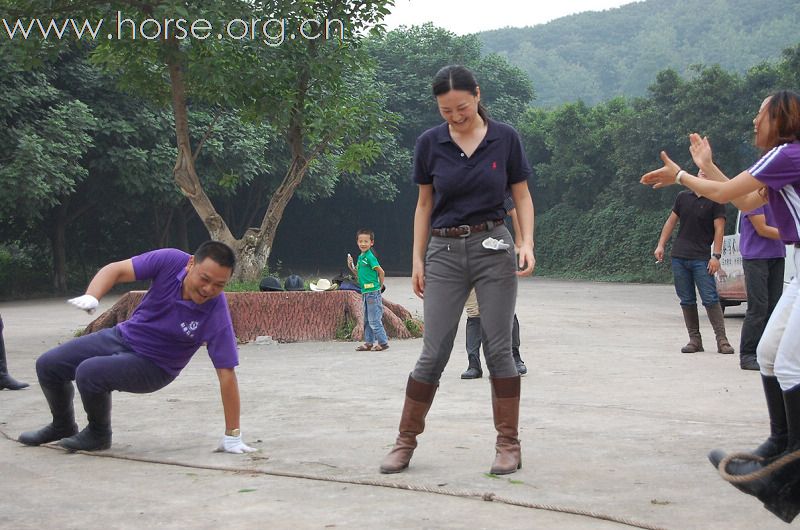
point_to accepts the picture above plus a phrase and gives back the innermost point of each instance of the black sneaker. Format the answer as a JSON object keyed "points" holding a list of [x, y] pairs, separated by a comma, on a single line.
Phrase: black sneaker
{"points": [[748, 362], [472, 373]]}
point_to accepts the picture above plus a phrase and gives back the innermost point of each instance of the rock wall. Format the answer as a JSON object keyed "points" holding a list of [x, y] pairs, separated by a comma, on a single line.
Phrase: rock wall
{"points": [[289, 316]]}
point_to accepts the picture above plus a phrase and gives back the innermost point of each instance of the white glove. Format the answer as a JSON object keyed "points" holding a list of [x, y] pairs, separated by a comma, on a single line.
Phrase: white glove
{"points": [[494, 244], [86, 302], [234, 444]]}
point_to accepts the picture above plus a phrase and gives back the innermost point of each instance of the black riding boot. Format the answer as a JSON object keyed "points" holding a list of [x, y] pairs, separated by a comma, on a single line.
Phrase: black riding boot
{"points": [[59, 398], [515, 343], [474, 335], [778, 430], [6, 381], [779, 491], [97, 435]]}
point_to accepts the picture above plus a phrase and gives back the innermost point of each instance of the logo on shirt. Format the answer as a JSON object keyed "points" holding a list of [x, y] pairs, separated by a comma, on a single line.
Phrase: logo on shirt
{"points": [[494, 164], [190, 328]]}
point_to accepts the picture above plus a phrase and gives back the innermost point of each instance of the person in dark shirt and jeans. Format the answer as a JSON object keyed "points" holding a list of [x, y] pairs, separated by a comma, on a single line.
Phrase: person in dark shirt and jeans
{"points": [[702, 222]]}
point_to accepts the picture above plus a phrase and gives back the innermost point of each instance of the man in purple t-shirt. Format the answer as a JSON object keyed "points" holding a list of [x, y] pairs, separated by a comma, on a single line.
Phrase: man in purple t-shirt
{"points": [[183, 309]]}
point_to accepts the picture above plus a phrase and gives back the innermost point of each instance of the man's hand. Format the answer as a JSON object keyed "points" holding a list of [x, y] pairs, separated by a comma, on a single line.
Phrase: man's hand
{"points": [[86, 302], [234, 444]]}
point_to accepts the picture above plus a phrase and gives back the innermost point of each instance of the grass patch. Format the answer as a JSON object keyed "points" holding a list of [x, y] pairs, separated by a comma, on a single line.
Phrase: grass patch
{"points": [[413, 327], [345, 329], [242, 286]]}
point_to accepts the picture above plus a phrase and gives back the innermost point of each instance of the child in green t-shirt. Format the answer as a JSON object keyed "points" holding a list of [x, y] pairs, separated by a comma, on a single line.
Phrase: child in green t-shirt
{"points": [[370, 278]]}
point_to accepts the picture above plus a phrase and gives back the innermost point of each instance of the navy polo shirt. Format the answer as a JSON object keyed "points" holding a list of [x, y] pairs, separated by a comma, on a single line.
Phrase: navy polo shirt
{"points": [[469, 190]]}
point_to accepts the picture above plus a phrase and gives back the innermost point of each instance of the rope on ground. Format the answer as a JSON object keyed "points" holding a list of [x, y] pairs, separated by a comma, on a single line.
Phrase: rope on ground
{"points": [[486, 496], [755, 475]]}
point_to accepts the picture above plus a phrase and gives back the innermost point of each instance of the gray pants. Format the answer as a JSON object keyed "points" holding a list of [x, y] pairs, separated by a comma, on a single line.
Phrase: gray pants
{"points": [[453, 266]]}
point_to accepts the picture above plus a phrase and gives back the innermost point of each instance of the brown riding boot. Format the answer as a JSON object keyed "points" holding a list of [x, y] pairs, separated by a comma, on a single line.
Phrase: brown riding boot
{"points": [[419, 397], [505, 406], [717, 319], [692, 321]]}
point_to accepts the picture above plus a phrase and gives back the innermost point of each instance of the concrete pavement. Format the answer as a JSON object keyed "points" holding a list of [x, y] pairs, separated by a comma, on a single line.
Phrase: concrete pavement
{"points": [[614, 420]]}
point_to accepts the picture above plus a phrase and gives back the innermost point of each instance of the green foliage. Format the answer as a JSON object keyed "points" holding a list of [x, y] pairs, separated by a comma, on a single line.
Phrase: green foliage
{"points": [[241, 286], [599, 55], [414, 326], [23, 271], [345, 329], [88, 143], [614, 242]]}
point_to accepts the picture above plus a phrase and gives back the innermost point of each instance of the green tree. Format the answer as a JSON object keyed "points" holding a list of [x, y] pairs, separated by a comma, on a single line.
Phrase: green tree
{"points": [[310, 91]]}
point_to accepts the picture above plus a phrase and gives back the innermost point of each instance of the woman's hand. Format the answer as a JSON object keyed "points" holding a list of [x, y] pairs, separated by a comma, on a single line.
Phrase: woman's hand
{"points": [[418, 277], [700, 149], [662, 177]]}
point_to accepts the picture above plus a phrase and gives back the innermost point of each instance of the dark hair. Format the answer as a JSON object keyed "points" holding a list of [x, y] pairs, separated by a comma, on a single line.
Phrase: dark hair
{"points": [[366, 232], [457, 77], [783, 110], [219, 252]]}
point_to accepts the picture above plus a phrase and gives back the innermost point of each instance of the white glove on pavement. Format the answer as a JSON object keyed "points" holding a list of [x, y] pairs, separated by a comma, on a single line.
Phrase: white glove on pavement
{"points": [[86, 302], [234, 444]]}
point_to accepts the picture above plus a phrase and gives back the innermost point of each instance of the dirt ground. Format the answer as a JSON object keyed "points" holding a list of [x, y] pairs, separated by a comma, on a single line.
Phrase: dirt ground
{"points": [[615, 423]]}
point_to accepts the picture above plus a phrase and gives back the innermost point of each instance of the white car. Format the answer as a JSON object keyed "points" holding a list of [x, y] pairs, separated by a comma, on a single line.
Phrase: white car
{"points": [[730, 278]]}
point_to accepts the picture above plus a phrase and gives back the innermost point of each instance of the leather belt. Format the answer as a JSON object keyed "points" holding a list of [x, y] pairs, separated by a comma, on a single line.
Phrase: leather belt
{"points": [[466, 230]]}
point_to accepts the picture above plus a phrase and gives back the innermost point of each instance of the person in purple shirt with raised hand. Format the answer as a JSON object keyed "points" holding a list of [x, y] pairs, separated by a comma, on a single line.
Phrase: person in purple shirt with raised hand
{"points": [[183, 309], [775, 178], [763, 255]]}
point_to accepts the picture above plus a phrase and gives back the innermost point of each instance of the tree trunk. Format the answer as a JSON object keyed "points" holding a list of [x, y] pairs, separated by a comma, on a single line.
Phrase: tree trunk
{"points": [[184, 171], [253, 250]]}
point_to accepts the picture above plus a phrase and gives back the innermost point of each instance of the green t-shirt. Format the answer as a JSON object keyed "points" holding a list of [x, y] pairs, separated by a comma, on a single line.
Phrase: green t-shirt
{"points": [[367, 275]]}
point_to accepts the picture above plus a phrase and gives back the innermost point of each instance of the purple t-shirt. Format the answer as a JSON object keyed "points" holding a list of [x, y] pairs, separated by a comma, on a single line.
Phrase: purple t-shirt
{"points": [[167, 329], [754, 246], [779, 169]]}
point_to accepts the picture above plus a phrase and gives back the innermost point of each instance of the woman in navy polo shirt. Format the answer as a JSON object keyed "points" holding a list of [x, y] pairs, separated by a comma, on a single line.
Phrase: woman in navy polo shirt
{"points": [[465, 168], [775, 178]]}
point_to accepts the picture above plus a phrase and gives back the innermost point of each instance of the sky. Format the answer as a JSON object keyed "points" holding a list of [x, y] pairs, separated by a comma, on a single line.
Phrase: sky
{"points": [[469, 16]]}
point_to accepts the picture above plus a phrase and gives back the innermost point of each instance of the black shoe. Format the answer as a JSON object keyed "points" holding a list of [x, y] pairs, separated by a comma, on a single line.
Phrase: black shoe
{"points": [[521, 368], [87, 440], [47, 434], [472, 373], [6, 381], [749, 363]]}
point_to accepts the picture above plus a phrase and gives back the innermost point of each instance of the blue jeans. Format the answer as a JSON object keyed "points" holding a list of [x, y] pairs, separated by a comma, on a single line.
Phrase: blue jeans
{"points": [[373, 318], [687, 274]]}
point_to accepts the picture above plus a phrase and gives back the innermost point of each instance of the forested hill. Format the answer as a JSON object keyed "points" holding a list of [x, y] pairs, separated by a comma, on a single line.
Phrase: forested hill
{"points": [[595, 56]]}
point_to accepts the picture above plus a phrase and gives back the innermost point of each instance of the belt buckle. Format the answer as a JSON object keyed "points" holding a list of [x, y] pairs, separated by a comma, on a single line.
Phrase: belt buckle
{"points": [[467, 228]]}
